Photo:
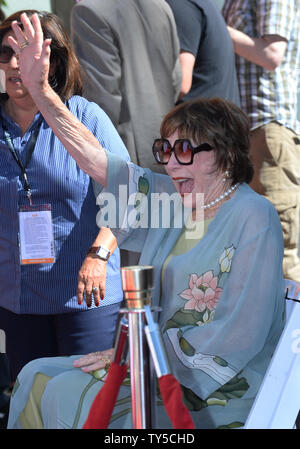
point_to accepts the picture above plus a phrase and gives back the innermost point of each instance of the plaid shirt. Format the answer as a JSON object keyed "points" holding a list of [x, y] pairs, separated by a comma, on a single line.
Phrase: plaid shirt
{"points": [[268, 95]]}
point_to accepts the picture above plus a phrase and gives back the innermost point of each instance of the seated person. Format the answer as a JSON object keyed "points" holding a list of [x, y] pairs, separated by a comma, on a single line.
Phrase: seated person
{"points": [[220, 284]]}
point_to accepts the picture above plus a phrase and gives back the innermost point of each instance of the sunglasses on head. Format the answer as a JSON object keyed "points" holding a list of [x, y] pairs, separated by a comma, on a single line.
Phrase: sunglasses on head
{"points": [[6, 54], [183, 150]]}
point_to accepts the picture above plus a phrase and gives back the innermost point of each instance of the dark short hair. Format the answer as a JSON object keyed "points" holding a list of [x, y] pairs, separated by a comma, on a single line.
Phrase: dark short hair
{"points": [[220, 123], [67, 80]]}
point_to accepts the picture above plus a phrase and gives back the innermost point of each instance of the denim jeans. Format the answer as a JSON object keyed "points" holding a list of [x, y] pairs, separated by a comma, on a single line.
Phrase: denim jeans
{"points": [[30, 337]]}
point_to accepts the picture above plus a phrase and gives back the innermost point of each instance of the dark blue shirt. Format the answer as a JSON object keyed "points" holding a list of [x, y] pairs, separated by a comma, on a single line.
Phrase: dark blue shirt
{"points": [[202, 32], [54, 178]]}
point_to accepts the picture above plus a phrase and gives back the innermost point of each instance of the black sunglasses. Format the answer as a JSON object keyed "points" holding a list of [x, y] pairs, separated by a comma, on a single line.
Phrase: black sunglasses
{"points": [[6, 54], [183, 150]]}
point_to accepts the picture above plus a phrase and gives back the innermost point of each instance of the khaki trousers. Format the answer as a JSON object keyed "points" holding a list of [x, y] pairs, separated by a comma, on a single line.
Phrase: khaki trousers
{"points": [[275, 152]]}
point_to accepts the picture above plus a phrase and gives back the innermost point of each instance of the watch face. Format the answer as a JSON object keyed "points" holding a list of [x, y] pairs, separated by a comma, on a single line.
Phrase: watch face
{"points": [[103, 253]]}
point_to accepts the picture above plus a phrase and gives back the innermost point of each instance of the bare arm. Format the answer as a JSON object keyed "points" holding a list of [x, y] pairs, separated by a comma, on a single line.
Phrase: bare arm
{"points": [[266, 51], [187, 62], [34, 61], [76, 138]]}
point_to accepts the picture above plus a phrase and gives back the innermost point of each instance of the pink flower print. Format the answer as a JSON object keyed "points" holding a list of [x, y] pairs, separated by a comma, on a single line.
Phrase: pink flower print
{"points": [[203, 292]]}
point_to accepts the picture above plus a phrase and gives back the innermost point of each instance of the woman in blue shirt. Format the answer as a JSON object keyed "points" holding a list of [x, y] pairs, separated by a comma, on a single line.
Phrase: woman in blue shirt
{"points": [[39, 310]]}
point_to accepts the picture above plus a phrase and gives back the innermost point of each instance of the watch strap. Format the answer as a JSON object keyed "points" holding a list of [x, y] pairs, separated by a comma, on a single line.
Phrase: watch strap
{"points": [[97, 250]]}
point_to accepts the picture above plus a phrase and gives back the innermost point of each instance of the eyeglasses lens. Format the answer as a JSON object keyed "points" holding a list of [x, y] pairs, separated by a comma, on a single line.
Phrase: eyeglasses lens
{"points": [[183, 151], [5, 54], [161, 151]]}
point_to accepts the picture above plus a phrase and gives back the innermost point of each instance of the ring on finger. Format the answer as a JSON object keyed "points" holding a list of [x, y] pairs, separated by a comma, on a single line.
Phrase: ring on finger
{"points": [[95, 289], [24, 45], [105, 360]]}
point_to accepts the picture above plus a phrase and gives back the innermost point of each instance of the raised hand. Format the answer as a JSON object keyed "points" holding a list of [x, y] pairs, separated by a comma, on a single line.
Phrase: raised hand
{"points": [[33, 51]]}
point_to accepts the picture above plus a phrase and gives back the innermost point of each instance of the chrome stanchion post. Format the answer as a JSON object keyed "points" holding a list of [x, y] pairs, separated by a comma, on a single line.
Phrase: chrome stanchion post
{"points": [[121, 343], [137, 284], [156, 346]]}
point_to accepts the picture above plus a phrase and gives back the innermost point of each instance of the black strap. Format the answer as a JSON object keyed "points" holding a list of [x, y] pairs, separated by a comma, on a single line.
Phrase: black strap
{"points": [[16, 156], [291, 299]]}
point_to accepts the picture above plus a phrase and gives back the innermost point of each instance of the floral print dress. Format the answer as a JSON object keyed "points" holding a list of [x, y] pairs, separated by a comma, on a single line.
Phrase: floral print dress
{"points": [[222, 313]]}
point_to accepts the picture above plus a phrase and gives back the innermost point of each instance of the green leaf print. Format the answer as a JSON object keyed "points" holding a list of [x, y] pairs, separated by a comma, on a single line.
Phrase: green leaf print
{"points": [[186, 347], [220, 361], [233, 425], [235, 388], [81, 399], [143, 185], [184, 317], [191, 400]]}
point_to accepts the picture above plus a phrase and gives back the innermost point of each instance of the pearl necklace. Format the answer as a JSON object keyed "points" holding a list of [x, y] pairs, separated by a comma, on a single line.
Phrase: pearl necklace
{"points": [[220, 198]]}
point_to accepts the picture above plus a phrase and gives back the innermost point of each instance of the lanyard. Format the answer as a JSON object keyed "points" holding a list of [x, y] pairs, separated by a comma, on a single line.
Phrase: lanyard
{"points": [[16, 156]]}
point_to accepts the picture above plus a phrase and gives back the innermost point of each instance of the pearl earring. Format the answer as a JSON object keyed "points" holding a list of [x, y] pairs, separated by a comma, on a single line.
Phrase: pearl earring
{"points": [[226, 176]]}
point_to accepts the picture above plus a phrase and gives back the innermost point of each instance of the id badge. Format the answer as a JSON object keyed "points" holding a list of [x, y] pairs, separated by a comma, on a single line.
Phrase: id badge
{"points": [[36, 234]]}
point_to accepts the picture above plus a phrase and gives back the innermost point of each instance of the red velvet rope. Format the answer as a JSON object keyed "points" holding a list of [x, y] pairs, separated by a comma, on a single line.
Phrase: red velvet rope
{"points": [[172, 399], [103, 404]]}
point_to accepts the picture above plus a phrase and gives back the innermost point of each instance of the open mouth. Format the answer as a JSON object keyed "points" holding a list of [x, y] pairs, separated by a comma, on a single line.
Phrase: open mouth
{"points": [[184, 185]]}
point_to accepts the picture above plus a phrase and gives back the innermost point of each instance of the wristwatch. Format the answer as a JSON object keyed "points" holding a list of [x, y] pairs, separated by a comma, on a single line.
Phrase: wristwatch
{"points": [[100, 251]]}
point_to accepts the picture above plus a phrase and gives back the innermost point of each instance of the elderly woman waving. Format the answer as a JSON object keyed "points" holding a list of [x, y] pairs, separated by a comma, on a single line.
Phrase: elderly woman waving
{"points": [[218, 271]]}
